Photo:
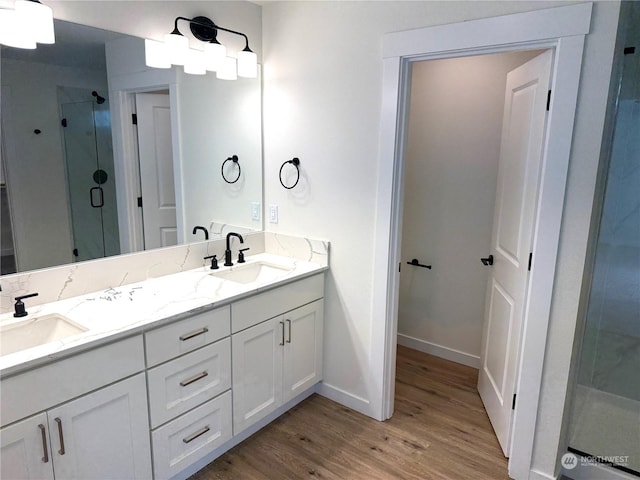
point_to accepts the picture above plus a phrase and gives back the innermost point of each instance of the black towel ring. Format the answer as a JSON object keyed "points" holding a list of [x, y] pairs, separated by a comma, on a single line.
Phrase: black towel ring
{"points": [[233, 159], [295, 161]]}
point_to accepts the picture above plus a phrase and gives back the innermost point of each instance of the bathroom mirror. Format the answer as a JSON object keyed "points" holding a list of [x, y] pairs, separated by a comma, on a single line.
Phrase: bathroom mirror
{"points": [[68, 195]]}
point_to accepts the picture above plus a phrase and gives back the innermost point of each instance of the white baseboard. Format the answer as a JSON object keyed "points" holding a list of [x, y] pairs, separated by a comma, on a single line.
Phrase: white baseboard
{"points": [[538, 475], [347, 399], [439, 351]]}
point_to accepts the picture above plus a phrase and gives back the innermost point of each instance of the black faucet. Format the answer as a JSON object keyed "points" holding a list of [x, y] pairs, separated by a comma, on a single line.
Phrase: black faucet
{"points": [[227, 252], [206, 232], [19, 306]]}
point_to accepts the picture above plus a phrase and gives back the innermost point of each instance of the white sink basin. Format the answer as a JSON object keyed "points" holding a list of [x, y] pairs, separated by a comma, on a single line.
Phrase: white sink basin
{"points": [[36, 331], [258, 272]]}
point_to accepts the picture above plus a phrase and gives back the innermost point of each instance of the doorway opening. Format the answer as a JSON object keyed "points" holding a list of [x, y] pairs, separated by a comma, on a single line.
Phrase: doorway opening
{"points": [[459, 138], [562, 29]]}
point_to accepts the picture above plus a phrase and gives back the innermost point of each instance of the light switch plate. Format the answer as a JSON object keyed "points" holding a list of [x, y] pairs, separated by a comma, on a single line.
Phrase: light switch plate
{"points": [[255, 211], [273, 213]]}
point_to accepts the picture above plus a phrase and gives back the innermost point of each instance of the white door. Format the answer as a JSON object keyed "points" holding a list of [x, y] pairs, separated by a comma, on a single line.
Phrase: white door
{"points": [[104, 434], [257, 354], [156, 170], [24, 450], [302, 349], [518, 177]]}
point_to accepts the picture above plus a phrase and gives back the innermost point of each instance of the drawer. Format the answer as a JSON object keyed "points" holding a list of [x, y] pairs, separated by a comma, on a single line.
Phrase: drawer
{"points": [[41, 388], [191, 437], [183, 336], [188, 381], [258, 308]]}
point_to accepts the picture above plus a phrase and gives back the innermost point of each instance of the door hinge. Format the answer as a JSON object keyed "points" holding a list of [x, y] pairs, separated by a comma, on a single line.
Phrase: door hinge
{"points": [[548, 100], [513, 403], [399, 267], [140, 202], [75, 252], [629, 50], [63, 122], [530, 260], [134, 118]]}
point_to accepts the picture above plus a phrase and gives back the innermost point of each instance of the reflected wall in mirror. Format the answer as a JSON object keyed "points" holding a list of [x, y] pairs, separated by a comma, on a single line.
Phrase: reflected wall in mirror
{"points": [[71, 193]]}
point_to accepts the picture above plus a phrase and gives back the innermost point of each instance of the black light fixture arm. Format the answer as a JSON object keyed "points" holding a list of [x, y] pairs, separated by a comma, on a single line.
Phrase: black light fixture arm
{"points": [[208, 24]]}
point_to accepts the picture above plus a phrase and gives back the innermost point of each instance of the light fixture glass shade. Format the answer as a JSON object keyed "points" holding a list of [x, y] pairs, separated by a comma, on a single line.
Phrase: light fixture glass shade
{"points": [[247, 64], [227, 69], [195, 62], [13, 31], [214, 54], [177, 46], [155, 54], [38, 20]]}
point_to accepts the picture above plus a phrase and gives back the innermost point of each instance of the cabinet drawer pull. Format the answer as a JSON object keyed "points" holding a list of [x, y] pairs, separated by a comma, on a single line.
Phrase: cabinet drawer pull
{"points": [[195, 378], [60, 435], [43, 432], [289, 324], [192, 437], [282, 325], [195, 333]]}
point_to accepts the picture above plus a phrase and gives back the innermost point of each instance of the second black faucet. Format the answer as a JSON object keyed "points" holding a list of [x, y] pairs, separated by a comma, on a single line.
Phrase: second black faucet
{"points": [[227, 252]]}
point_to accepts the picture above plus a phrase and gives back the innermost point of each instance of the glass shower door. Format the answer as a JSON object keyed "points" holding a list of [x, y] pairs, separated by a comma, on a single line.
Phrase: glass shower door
{"points": [[605, 420], [90, 180]]}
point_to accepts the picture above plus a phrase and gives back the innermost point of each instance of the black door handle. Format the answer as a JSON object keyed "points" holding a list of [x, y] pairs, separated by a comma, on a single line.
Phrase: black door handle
{"points": [[416, 263], [487, 261], [100, 203]]}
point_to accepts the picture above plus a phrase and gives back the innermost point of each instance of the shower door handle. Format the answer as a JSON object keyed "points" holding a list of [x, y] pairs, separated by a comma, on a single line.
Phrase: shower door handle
{"points": [[100, 198]]}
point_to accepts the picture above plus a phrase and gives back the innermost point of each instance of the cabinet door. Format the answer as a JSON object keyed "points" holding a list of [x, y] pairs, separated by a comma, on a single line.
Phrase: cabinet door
{"points": [[257, 372], [104, 434], [24, 451], [303, 348]]}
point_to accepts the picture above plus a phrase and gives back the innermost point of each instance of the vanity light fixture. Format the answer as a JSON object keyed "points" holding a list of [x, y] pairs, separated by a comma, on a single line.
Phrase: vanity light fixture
{"points": [[212, 57], [28, 23]]}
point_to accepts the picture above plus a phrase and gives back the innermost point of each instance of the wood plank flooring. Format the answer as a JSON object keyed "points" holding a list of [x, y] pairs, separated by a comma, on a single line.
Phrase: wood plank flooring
{"points": [[439, 431]]}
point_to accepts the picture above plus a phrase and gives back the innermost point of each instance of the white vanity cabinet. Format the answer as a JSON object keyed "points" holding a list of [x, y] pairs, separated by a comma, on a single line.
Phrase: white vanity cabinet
{"points": [[102, 434], [275, 359]]}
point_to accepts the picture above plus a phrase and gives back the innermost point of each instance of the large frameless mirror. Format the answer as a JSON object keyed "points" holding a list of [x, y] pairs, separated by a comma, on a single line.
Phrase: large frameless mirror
{"points": [[81, 181]]}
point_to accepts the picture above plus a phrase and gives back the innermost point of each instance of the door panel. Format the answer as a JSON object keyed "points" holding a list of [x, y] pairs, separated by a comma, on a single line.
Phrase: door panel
{"points": [[257, 372], [303, 349], [22, 452], [518, 176], [104, 434], [156, 170]]}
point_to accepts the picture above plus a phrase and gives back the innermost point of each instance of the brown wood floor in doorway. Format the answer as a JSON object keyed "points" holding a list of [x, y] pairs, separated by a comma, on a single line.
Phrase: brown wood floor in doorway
{"points": [[439, 431]]}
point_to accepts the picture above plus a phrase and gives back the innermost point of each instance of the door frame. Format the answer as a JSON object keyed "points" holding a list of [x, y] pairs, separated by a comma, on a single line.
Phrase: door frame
{"points": [[562, 29], [122, 91]]}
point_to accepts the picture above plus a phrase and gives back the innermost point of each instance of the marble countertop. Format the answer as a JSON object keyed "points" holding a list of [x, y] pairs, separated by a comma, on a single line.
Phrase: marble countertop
{"points": [[119, 312]]}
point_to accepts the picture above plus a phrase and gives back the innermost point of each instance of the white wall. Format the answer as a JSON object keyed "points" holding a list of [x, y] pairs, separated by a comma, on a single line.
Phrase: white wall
{"points": [[219, 119], [323, 77], [451, 168], [35, 167]]}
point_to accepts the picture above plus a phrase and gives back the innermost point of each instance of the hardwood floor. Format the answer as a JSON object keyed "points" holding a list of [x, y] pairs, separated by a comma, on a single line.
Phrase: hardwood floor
{"points": [[439, 431]]}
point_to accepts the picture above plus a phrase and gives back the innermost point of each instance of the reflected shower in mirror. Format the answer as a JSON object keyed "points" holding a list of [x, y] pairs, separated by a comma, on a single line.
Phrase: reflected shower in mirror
{"points": [[72, 191]]}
